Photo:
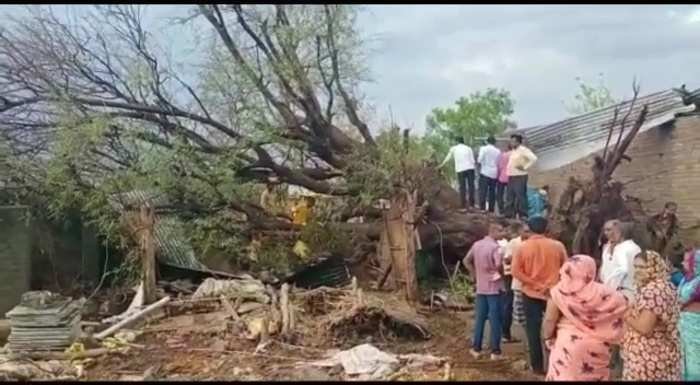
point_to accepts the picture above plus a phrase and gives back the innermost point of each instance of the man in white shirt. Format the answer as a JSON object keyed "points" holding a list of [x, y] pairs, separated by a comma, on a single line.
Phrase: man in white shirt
{"points": [[488, 173], [464, 167], [617, 267], [521, 159]]}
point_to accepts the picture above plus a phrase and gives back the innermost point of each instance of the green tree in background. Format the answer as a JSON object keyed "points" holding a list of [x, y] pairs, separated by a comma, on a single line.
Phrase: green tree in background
{"points": [[590, 98], [475, 116]]}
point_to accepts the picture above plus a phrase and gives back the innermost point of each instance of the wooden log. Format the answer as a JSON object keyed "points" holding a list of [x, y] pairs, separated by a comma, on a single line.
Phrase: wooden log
{"points": [[148, 272], [284, 308], [134, 317], [385, 275], [61, 356], [229, 308]]}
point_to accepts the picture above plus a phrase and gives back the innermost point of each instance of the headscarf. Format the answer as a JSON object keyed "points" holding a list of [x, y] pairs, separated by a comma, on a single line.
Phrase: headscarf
{"points": [[654, 268], [593, 307], [689, 288]]}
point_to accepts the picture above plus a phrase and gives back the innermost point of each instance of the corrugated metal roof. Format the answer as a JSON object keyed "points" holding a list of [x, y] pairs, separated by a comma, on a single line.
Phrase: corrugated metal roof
{"points": [[169, 232], [571, 139]]}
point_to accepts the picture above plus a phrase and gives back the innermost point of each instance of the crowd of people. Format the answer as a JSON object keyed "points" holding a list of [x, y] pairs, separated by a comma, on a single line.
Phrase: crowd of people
{"points": [[502, 175], [625, 319]]}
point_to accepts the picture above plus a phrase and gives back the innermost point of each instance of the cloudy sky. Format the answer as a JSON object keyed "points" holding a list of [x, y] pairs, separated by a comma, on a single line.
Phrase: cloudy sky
{"points": [[423, 56], [429, 55]]}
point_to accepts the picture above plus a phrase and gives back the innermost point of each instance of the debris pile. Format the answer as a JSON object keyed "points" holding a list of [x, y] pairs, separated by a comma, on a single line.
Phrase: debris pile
{"points": [[43, 321], [366, 362], [348, 315], [248, 288]]}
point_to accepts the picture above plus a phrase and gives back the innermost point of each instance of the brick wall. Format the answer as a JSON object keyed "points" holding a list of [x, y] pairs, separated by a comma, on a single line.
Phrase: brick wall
{"points": [[665, 167]]}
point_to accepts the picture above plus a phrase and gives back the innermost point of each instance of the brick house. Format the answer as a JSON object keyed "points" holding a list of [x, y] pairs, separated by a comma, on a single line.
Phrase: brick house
{"points": [[665, 155]]}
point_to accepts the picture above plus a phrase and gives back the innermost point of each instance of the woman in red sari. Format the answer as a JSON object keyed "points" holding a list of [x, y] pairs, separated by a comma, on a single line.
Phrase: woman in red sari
{"points": [[583, 320]]}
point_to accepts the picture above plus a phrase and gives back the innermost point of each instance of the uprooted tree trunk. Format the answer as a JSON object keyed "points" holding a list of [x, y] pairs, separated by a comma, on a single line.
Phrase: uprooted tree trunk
{"points": [[585, 206]]}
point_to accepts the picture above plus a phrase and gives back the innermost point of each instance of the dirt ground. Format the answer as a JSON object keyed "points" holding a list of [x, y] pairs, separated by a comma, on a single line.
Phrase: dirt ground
{"points": [[216, 354]]}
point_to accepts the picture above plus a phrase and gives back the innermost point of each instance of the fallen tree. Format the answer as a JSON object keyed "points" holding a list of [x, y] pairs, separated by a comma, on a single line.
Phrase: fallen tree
{"points": [[585, 205], [94, 110], [276, 99]]}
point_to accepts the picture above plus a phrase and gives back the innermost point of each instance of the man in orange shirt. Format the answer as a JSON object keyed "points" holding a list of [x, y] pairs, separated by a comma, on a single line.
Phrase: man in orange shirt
{"points": [[536, 265]]}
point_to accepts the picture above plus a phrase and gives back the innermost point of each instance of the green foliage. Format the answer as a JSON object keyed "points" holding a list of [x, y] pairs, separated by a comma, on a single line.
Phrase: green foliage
{"points": [[395, 163], [323, 237], [590, 98], [277, 257], [475, 116], [462, 287]]}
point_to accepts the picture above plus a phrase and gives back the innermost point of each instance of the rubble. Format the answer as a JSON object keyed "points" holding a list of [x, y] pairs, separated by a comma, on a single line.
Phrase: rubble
{"points": [[44, 321], [133, 317], [250, 289], [274, 333], [366, 362], [24, 370]]}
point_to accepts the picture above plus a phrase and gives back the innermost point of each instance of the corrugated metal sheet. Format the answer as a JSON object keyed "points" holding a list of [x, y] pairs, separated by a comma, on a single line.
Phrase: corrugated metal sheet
{"points": [[168, 232], [331, 272], [571, 139]]}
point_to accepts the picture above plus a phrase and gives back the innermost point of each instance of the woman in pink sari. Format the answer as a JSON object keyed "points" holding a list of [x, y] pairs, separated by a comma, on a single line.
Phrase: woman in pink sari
{"points": [[582, 321]]}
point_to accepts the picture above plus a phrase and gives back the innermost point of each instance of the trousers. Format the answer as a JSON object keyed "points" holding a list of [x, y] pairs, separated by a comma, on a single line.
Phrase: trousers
{"points": [[534, 312], [516, 203], [466, 183], [488, 307], [487, 188]]}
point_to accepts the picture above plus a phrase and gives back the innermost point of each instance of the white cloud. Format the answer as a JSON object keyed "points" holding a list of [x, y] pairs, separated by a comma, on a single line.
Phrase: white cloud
{"points": [[693, 17]]}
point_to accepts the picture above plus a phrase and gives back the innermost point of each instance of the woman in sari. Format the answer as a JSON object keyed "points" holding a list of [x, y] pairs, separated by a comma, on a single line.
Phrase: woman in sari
{"points": [[689, 295], [582, 321], [651, 347]]}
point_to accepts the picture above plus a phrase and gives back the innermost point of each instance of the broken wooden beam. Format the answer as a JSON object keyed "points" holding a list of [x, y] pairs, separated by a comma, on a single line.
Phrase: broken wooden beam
{"points": [[136, 316]]}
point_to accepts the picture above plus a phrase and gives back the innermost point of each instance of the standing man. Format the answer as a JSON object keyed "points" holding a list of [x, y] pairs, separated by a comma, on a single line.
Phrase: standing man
{"points": [[617, 265], [617, 272], [536, 265], [488, 173], [464, 167], [521, 159], [502, 181], [663, 227], [485, 264], [517, 232]]}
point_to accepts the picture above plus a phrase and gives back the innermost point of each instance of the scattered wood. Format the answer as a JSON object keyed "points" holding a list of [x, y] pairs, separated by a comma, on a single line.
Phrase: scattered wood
{"points": [[249, 307], [447, 376], [264, 332], [374, 320], [136, 316], [213, 322], [384, 276], [229, 308], [284, 309], [61, 356]]}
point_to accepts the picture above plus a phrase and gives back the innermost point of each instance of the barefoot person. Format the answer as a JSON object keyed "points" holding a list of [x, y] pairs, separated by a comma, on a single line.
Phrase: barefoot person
{"points": [[485, 264]]}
